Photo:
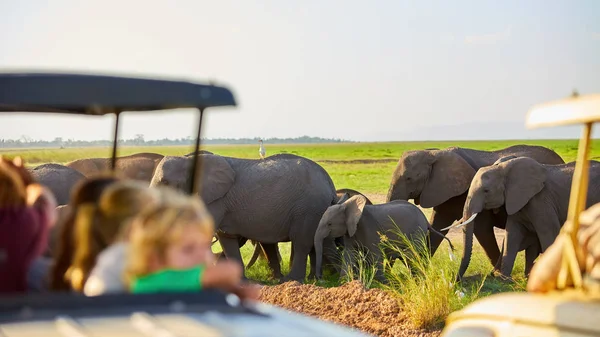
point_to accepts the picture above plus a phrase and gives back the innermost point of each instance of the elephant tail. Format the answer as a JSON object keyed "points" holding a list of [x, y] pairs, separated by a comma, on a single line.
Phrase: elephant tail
{"points": [[434, 231], [257, 251]]}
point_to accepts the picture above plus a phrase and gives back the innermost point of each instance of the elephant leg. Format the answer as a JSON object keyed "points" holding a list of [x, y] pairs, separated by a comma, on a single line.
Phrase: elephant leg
{"points": [[231, 249], [298, 266], [498, 264], [350, 249], [443, 216], [515, 234], [258, 251], [347, 263], [438, 220], [313, 263], [331, 256], [291, 256], [484, 232], [272, 253], [531, 253], [377, 259]]}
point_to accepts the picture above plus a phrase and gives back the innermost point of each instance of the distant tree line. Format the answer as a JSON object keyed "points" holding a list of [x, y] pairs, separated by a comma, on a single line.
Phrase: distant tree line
{"points": [[139, 140]]}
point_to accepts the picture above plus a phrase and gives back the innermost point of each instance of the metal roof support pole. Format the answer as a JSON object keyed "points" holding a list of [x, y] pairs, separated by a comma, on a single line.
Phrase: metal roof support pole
{"points": [[577, 203], [197, 162], [113, 162]]}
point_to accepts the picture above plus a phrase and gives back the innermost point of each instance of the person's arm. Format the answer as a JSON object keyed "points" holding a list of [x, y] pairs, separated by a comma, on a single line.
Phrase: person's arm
{"points": [[227, 275], [223, 275]]}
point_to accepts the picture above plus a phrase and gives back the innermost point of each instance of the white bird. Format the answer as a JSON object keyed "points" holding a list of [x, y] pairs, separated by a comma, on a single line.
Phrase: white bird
{"points": [[261, 149]]}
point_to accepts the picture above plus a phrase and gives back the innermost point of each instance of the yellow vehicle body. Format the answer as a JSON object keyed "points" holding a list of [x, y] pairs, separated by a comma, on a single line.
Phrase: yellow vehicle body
{"points": [[571, 310], [569, 313]]}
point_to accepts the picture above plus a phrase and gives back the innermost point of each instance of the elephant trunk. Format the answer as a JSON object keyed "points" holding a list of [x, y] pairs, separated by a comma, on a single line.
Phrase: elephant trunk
{"points": [[397, 192], [390, 194], [320, 235], [472, 208], [466, 258]]}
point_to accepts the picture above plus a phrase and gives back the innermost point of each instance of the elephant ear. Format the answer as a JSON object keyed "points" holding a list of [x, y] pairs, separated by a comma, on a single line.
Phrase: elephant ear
{"points": [[353, 210], [345, 196], [524, 179], [503, 159], [449, 176], [217, 178]]}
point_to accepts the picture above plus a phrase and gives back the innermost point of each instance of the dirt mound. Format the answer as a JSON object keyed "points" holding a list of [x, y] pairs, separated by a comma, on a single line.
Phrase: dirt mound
{"points": [[373, 311]]}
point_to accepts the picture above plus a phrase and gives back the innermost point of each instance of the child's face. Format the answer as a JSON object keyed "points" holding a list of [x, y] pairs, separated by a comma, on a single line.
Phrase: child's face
{"points": [[191, 249]]}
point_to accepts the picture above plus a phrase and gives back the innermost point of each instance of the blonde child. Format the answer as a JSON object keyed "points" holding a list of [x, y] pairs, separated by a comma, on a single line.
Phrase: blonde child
{"points": [[170, 251], [99, 226], [107, 275]]}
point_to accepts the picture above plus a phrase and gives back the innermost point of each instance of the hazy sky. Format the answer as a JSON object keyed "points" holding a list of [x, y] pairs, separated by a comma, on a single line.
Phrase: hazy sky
{"points": [[360, 70]]}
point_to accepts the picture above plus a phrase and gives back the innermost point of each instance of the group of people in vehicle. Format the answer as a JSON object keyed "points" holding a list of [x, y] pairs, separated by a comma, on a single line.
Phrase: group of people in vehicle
{"points": [[119, 236]]}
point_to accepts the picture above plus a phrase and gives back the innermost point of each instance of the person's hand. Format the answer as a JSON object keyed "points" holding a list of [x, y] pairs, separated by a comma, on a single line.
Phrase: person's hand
{"points": [[17, 165], [223, 275], [247, 291]]}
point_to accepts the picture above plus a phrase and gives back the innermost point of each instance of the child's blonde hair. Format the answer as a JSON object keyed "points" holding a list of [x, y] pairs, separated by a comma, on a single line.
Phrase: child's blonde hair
{"points": [[155, 229], [98, 226]]}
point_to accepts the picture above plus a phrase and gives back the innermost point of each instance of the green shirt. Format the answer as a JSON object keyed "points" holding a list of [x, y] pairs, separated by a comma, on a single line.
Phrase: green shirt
{"points": [[169, 280]]}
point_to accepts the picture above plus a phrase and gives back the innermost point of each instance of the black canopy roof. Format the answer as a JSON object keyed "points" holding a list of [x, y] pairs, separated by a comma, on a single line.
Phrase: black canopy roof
{"points": [[89, 94], [99, 94]]}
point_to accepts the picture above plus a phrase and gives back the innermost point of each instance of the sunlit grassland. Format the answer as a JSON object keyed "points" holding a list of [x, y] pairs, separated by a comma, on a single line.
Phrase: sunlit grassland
{"points": [[340, 160]]}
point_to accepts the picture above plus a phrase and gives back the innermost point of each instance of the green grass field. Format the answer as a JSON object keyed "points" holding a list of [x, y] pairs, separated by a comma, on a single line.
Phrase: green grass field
{"points": [[370, 177], [366, 167]]}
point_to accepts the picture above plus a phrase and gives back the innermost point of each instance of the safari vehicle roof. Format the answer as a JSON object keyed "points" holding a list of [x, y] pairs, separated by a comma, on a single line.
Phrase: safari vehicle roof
{"points": [[208, 313], [99, 94], [90, 94], [576, 109]]}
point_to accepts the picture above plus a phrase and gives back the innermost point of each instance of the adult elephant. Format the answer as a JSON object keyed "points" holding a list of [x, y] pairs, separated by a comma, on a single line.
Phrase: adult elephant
{"points": [[58, 178], [440, 179], [535, 197], [199, 152], [261, 250], [139, 166], [278, 199]]}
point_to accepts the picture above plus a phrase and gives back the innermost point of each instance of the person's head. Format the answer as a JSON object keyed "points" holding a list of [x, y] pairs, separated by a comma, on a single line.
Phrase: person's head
{"points": [[12, 187], [99, 225], [174, 235], [87, 191]]}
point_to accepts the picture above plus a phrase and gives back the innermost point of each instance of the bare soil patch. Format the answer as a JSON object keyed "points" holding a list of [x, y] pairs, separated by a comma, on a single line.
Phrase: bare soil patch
{"points": [[373, 311]]}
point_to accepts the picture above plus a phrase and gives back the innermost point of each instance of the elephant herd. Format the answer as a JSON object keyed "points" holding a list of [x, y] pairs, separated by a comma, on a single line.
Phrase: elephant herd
{"points": [[287, 198]]}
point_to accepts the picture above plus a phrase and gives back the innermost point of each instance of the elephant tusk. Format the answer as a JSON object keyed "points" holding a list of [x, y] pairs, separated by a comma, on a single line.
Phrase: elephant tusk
{"points": [[458, 224]]}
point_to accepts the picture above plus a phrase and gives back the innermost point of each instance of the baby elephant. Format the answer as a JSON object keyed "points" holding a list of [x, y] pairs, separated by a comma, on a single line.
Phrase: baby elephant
{"points": [[360, 225]]}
